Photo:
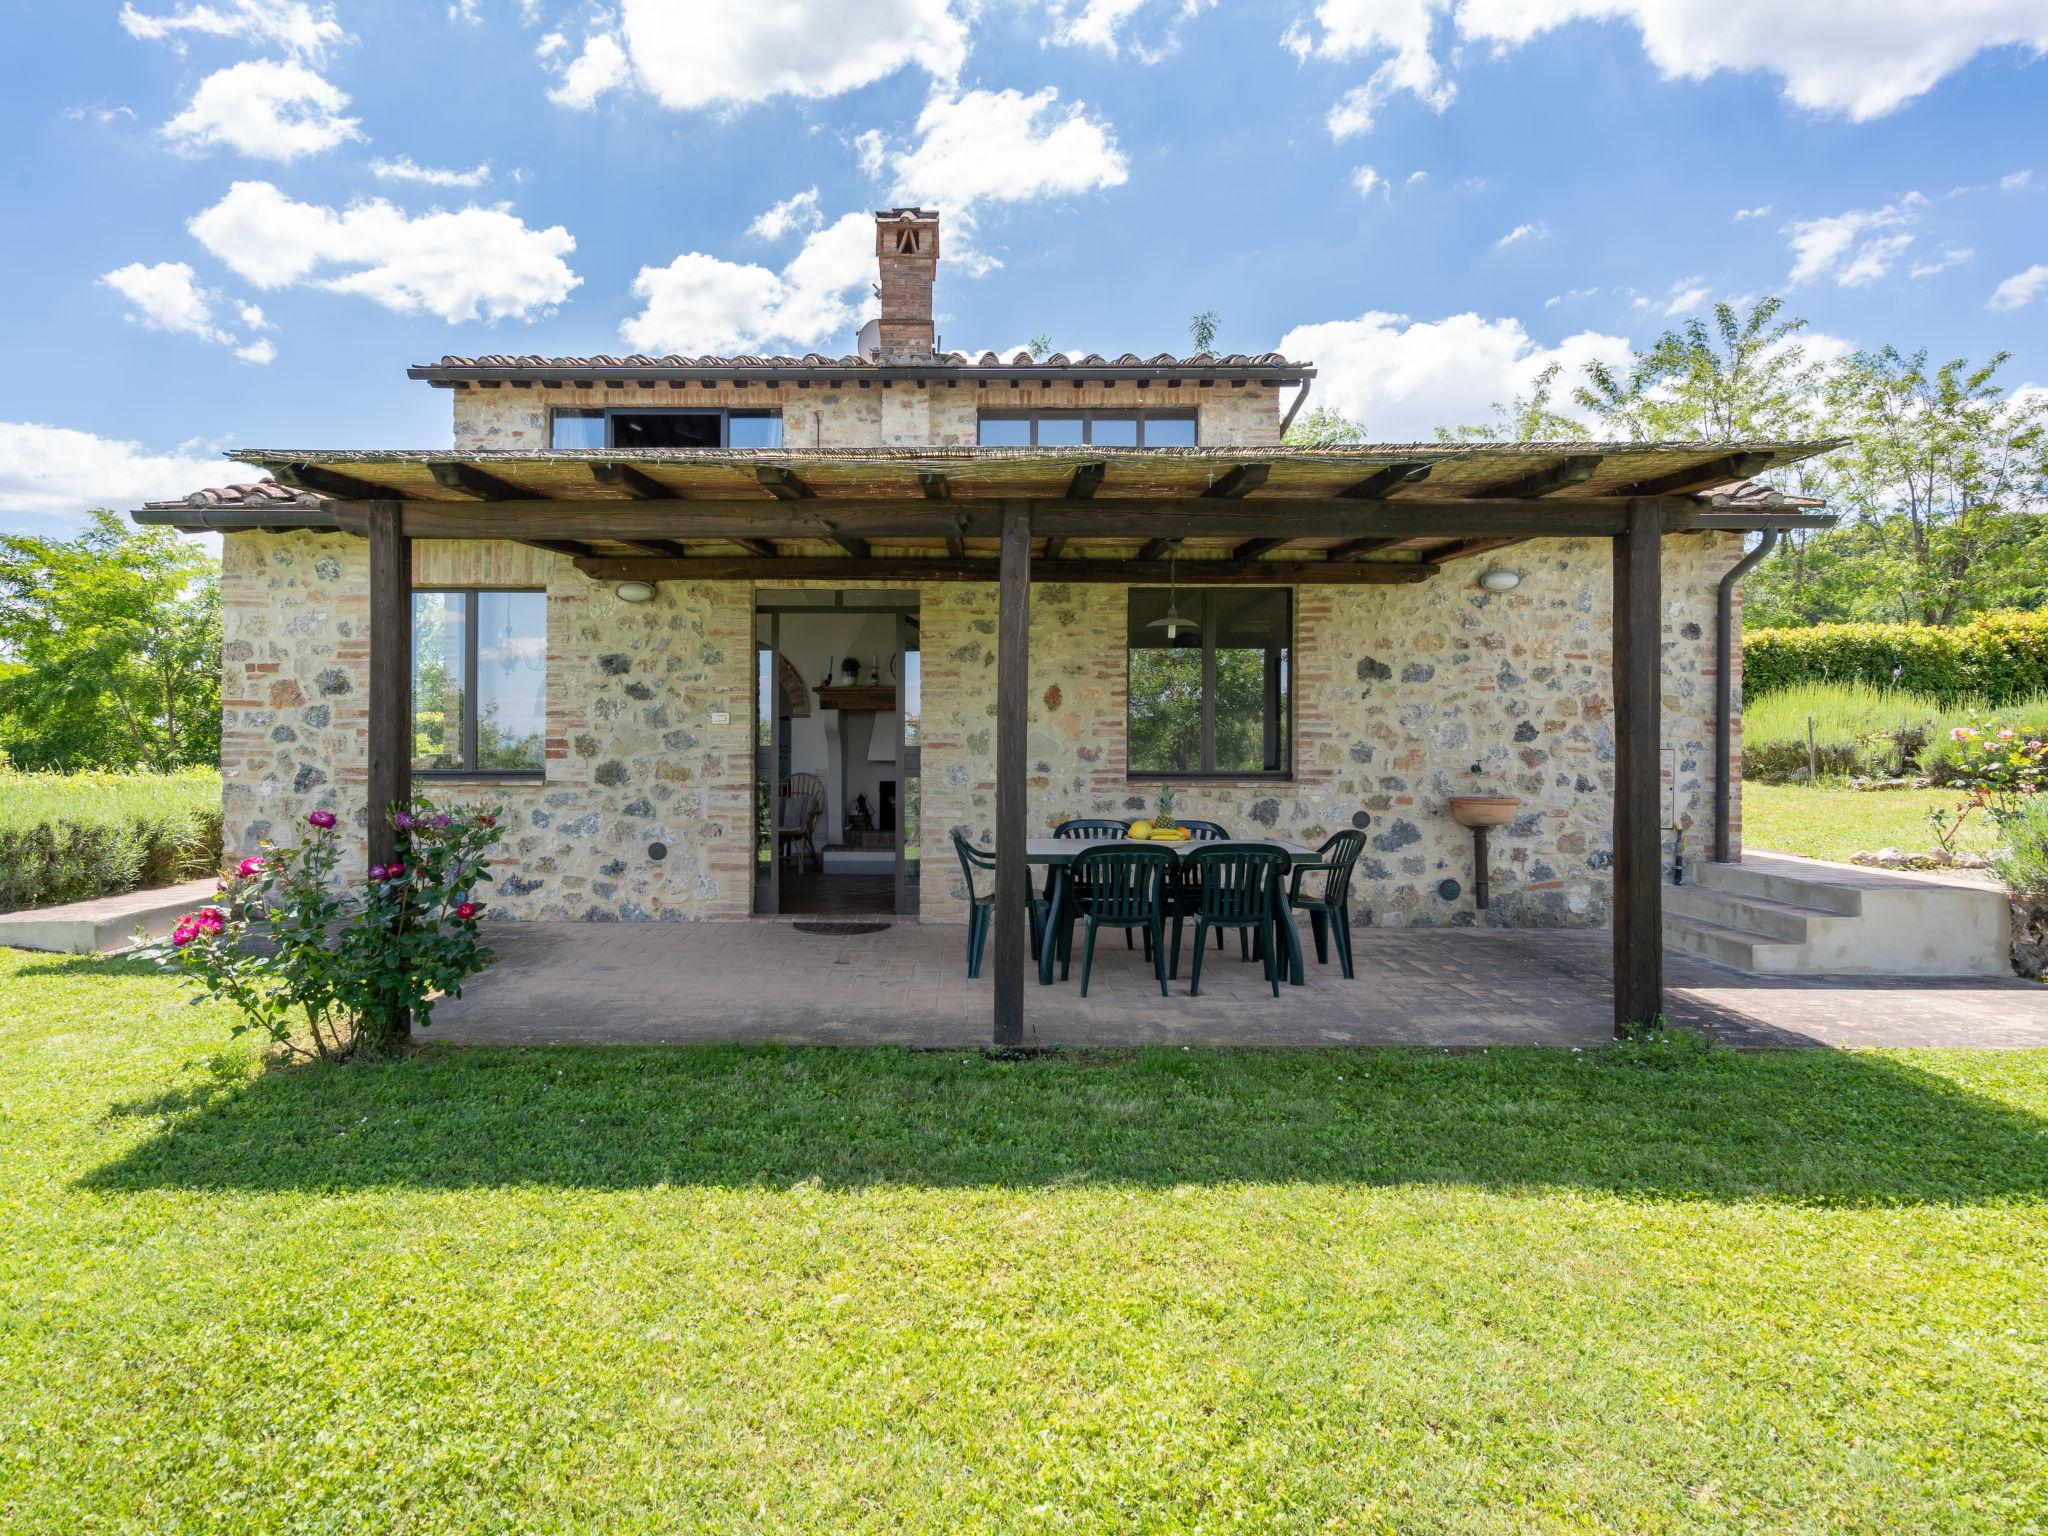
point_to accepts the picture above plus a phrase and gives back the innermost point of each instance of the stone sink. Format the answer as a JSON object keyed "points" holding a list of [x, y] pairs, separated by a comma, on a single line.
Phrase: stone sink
{"points": [[1476, 811]]}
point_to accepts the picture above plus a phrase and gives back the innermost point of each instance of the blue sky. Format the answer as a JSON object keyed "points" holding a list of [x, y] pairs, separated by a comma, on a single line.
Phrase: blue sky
{"points": [[236, 222]]}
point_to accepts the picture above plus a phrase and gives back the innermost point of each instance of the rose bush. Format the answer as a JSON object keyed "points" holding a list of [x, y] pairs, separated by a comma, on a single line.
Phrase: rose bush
{"points": [[324, 967]]}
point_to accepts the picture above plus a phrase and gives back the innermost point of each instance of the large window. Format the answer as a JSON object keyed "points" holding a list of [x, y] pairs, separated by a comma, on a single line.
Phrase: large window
{"points": [[666, 429], [1212, 699], [479, 682], [1087, 429]]}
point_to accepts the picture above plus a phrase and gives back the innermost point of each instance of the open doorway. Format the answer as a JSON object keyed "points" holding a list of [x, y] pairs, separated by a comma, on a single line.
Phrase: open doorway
{"points": [[837, 698]]}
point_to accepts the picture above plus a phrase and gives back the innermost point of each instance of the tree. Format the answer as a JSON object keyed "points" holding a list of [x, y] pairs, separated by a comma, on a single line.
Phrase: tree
{"points": [[1743, 376], [1202, 330], [1323, 426], [112, 642], [1527, 418]]}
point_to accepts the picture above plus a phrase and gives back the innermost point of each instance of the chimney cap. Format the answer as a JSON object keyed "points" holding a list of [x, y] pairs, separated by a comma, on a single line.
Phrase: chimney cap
{"points": [[907, 215]]}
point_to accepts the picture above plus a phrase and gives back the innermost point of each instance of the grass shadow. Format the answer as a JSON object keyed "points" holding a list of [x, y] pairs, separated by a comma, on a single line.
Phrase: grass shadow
{"points": [[1664, 1121]]}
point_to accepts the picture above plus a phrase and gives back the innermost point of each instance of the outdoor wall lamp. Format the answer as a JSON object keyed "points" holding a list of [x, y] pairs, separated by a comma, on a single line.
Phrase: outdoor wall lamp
{"points": [[634, 591], [1500, 579]]}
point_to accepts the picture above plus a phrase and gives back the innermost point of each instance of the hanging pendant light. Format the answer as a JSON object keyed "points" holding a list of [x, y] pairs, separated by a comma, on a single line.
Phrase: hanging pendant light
{"points": [[1173, 623]]}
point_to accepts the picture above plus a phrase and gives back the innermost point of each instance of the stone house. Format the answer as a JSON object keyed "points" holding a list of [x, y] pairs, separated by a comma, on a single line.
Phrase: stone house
{"points": [[602, 606]]}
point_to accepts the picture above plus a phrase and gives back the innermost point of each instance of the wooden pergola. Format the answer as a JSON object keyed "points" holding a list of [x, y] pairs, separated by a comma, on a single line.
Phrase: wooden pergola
{"points": [[1216, 515]]}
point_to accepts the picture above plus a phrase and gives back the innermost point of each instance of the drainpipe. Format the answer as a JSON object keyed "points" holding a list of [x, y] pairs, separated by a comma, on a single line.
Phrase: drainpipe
{"points": [[1294, 409], [1724, 688]]}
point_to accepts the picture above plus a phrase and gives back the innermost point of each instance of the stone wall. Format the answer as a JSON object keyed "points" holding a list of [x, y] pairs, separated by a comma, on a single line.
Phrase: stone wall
{"points": [[1399, 691], [866, 416]]}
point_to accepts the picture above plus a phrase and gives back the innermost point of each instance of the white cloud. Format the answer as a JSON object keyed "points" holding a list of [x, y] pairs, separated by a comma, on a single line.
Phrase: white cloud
{"points": [[699, 303], [1404, 378], [1761, 211], [1004, 147], [268, 110], [462, 265], [1858, 58], [1950, 256], [872, 148], [1521, 232], [1853, 248], [797, 211], [733, 53], [1365, 180], [1105, 25], [1414, 177], [103, 115], [59, 473], [2022, 288], [2015, 181], [302, 30], [1569, 296], [598, 68], [167, 297], [404, 168], [1681, 298]]}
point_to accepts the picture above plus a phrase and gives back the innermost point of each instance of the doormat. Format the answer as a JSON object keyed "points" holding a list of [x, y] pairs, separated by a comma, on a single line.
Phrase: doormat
{"points": [[840, 930]]}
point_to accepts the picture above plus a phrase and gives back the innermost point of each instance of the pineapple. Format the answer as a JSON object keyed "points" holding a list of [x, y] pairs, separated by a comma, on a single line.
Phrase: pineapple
{"points": [[1163, 824]]}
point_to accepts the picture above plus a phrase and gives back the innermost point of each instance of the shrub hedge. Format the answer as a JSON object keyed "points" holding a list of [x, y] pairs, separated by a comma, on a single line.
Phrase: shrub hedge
{"points": [[70, 837], [2001, 657]]}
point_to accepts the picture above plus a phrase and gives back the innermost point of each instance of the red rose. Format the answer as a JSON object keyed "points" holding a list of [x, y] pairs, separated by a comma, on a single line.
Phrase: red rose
{"points": [[466, 910]]}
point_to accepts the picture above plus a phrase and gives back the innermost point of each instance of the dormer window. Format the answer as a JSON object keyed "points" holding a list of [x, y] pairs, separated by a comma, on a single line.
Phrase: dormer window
{"points": [[630, 428]]}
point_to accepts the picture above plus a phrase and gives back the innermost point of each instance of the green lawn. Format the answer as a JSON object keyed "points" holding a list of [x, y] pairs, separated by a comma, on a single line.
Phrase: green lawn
{"points": [[1829, 822], [1640, 1290]]}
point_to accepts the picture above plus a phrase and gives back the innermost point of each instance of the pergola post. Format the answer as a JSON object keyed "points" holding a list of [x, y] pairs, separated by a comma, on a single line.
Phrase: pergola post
{"points": [[390, 724], [1013, 682], [1638, 706]]}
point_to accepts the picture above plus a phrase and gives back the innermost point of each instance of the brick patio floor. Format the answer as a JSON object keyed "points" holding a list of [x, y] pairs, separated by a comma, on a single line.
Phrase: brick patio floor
{"points": [[908, 985]]}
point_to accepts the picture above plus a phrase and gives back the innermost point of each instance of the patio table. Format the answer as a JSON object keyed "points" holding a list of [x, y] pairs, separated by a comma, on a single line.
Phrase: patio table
{"points": [[1058, 852]]}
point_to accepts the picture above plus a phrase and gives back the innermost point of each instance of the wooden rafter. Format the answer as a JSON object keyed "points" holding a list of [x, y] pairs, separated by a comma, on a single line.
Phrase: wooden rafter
{"points": [[1701, 477], [1464, 549], [332, 482], [1086, 482], [1574, 469], [476, 484], [783, 484], [1240, 480], [635, 483], [1382, 483], [1189, 573], [1251, 549], [1159, 548], [575, 548], [935, 486], [1354, 549], [665, 547]]}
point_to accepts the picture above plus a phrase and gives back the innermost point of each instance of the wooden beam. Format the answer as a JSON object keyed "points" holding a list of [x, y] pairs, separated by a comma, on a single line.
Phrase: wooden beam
{"points": [[783, 484], [1013, 685], [668, 548], [331, 482], [1382, 483], [1702, 477], [1189, 573], [855, 546], [388, 737], [1353, 549], [1464, 549], [1241, 480], [575, 548], [760, 547], [1086, 482], [1102, 518], [1251, 549], [635, 483], [1053, 545], [1157, 549], [1575, 469], [1638, 779], [935, 486], [477, 484]]}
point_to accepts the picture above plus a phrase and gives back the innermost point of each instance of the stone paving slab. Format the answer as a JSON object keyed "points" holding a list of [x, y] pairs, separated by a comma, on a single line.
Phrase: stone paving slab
{"points": [[907, 985], [106, 924]]}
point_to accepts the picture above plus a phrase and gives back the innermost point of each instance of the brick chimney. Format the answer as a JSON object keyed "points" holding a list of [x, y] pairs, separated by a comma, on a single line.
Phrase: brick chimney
{"points": [[907, 249]]}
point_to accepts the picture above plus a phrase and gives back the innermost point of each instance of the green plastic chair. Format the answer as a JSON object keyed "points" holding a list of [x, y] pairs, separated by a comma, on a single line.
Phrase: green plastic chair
{"points": [[1329, 909], [1121, 888], [1181, 896], [981, 908], [1238, 885], [1086, 829]]}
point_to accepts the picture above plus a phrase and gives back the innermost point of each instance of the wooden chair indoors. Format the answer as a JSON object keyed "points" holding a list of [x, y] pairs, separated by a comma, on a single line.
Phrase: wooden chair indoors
{"points": [[799, 806]]}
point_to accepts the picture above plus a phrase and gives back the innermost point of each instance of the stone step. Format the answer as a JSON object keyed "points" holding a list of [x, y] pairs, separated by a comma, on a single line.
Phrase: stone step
{"points": [[1789, 921], [1734, 947], [1768, 882], [105, 925]]}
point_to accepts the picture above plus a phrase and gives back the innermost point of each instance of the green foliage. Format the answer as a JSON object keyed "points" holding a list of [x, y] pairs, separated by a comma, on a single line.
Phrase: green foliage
{"points": [[1202, 330], [1039, 346], [342, 958], [1998, 658], [1322, 427], [611, 1288], [1525, 419], [112, 642], [2023, 861], [1736, 376], [71, 837]]}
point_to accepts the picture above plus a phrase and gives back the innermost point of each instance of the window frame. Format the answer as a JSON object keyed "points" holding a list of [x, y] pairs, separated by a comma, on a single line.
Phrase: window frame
{"points": [[1087, 415], [724, 413], [469, 596], [1211, 774]]}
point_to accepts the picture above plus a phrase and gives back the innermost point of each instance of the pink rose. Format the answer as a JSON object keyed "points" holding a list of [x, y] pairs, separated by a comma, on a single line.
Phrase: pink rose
{"points": [[376, 871], [488, 820], [1959, 733], [395, 872], [209, 919], [466, 910], [2007, 735], [321, 819], [185, 932], [251, 866]]}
